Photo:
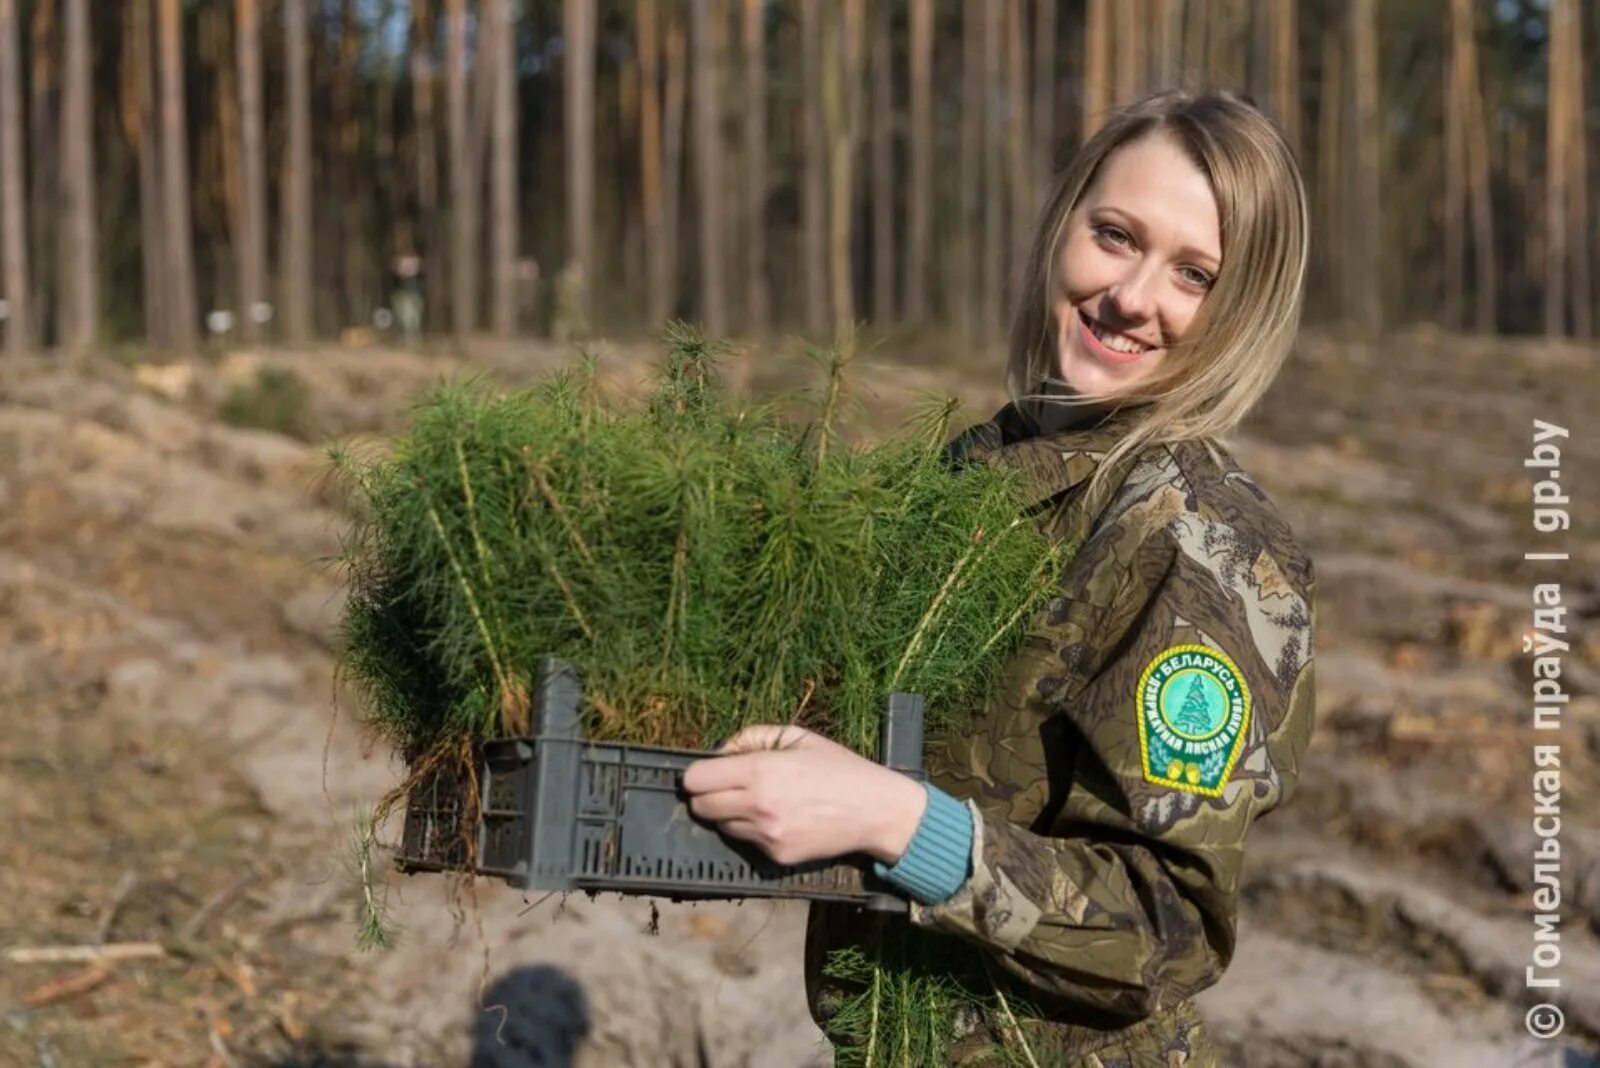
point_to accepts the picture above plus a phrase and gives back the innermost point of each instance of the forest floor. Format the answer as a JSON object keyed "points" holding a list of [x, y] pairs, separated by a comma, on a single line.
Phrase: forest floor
{"points": [[173, 772]]}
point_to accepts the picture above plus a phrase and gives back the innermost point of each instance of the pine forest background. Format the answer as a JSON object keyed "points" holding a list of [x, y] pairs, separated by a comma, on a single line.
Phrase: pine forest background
{"points": [[599, 165]]}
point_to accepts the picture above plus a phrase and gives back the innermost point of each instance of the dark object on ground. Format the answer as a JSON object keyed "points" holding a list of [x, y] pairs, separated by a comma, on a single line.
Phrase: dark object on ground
{"points": [[532, 1017]]}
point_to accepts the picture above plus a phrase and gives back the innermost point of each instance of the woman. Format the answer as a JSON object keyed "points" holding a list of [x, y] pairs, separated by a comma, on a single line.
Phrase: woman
{"points": [[1087, 836]]}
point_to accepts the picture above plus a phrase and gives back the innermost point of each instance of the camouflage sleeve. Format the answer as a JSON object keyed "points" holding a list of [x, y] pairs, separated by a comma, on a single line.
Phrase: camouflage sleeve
{"points": [[1133, 742]]}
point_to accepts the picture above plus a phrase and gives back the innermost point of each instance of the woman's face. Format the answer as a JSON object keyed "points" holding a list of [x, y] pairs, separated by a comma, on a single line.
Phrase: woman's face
{"points": [[1137, 256]]}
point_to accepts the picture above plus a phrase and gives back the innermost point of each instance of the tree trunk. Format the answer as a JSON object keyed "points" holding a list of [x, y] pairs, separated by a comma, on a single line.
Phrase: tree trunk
{"points": [[1166, 42], [1330, 171], [578, 29], [1526, 270], [393, 230], [253, 229], [506, 228], [994, 238], [80, 266], [1195, 63], [175, 179], [1577, 179], [139, 122], [1227, 42], [964, 284], [1260, 37], [480, 120], [41, 66], [919, 210], [1096, 65], [428, 245], [1285, 66], [1129, 43], [463, 216], [218, 172], [841, 92], [757, 299], [13, 195], [1044, 99], [1018, 163], [354, 299], [706, 63], [655, 248], [1363, 265], [813, 190], [883, 198], [295, 215], [623, 125], [675, 62], [1464, 52], [1455, 180], [1557, 222]]}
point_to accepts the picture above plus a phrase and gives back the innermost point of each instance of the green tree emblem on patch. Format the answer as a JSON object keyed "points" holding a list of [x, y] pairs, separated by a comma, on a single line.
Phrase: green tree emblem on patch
{"points": [[1194, 717]]}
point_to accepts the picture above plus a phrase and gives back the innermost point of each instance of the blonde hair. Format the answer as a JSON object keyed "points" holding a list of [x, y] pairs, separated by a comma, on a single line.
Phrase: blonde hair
{"points": [[1247, 323]]}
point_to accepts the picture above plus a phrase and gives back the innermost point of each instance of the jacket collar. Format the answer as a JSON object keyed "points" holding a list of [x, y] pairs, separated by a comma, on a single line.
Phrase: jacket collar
{"points": [[1053, 454]]}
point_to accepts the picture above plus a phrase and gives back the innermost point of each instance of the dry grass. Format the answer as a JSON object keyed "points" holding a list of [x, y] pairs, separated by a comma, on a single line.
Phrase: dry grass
{"points": [[122, 831]]}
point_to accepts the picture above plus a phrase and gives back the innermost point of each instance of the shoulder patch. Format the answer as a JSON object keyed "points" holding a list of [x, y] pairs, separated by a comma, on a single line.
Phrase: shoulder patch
{"points": [[1193, 708]]}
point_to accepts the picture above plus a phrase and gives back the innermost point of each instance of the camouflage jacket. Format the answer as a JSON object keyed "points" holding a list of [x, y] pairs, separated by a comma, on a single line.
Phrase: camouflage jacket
{"points": [[1158, 705]]}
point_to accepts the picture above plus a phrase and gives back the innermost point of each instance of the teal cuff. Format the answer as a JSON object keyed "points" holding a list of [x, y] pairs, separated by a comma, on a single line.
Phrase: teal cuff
{"points": [[939, 857]]}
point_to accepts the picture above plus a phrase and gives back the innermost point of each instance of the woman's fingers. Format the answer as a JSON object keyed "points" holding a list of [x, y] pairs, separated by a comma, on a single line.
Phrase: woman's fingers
{"points": [[746, 830], [716, 773], [760, 836], [764, 736], [721, 805]]}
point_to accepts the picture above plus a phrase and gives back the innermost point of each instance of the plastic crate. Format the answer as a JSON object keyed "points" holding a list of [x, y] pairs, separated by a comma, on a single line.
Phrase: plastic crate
{"points": [[558, 812]]}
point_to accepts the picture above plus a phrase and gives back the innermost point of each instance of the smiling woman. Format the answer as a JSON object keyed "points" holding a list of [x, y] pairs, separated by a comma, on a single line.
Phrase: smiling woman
{"points": [[1132, 243], [1074, 864], [1138, 254]]}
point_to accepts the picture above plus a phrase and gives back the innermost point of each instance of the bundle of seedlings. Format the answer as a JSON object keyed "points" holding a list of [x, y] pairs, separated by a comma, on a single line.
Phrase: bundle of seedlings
{"points": [[704, 563], [904, 996]]}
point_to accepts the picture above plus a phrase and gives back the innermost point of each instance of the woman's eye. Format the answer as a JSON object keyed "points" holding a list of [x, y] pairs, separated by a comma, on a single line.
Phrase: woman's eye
{"points": [[1197, 278], [1113, 235]]}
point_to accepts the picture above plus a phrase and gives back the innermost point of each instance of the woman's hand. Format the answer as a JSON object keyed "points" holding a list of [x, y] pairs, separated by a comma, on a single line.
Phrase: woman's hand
{"points": [[801, 797]]}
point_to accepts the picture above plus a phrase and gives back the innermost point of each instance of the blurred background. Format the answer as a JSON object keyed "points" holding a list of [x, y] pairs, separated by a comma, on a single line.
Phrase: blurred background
{"points": [[234, 232], [538, 168]]}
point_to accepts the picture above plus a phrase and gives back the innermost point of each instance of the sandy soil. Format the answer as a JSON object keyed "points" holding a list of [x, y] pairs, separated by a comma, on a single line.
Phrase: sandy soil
{"points": [[175, 773]]}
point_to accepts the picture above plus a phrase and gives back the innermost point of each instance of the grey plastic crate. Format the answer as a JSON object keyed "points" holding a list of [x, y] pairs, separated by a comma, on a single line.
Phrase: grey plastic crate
{"points": [[561, 813]]}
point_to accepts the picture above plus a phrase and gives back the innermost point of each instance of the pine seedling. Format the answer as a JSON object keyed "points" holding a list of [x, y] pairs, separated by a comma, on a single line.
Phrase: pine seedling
{"points": [[375, 932]]}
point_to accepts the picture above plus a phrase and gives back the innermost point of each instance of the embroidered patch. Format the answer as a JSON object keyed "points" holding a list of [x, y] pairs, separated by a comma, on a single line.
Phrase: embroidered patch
{"points": [[1193, 708]]}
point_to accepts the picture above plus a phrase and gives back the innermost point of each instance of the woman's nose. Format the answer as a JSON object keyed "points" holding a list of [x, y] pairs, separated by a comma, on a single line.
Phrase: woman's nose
{"points": [[1133, 297]]}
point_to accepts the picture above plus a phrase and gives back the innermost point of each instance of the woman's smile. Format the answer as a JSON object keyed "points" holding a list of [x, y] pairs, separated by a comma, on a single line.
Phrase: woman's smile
{"points": [[1112, 346]]}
